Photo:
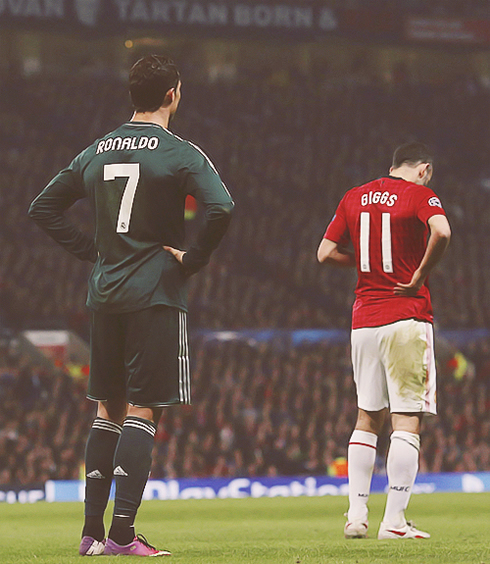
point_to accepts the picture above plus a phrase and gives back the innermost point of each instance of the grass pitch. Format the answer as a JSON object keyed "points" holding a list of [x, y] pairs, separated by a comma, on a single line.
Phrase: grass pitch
{"points": [[267, 531]]}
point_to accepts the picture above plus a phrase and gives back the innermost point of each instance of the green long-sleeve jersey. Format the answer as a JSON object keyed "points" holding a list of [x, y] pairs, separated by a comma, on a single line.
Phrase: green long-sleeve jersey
{"points": [[136, 179]]}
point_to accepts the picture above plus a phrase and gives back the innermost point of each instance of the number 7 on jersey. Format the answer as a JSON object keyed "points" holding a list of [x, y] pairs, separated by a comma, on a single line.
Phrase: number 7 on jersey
{"points": [[131, 171]]}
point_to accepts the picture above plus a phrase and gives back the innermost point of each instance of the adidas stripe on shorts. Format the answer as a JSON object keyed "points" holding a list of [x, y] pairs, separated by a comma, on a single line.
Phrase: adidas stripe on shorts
{"points": [[141, 355]]}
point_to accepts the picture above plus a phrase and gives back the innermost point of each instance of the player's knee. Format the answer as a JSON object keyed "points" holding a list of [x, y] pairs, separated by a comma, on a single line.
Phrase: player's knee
{"points": [[149, 413], [371, 421], [113, 410], [409, 422]]}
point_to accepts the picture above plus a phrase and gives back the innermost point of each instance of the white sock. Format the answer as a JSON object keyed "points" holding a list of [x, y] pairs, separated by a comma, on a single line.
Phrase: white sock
{"points": [[402, 467], [361, 457]]}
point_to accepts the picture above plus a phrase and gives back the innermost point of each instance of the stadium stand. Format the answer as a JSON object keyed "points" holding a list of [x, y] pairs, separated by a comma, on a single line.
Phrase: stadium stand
{"points": [[262, 409], [288, 145]]}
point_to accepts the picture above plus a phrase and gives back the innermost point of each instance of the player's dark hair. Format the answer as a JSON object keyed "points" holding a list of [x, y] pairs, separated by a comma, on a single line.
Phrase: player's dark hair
{"points": [[150, 79], [412, 154]]}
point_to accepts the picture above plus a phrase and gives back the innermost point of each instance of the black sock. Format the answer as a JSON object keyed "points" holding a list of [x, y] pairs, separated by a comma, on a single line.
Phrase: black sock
{"points": [[94, 527], [122, 530], [132, 464], [99, 460]]}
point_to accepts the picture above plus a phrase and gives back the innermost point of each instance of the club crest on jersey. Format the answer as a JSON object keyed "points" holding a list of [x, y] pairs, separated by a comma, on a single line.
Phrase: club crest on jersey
{"points": [[127, 144], [435, 202]]}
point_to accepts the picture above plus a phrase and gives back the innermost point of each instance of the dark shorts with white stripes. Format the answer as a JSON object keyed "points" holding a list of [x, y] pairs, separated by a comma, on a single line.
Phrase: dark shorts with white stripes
{"points": [[142, 356]]}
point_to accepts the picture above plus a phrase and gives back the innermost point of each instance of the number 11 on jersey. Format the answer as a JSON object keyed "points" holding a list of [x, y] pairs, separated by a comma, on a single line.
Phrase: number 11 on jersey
{"points": [[365, 229], [131, 171]]}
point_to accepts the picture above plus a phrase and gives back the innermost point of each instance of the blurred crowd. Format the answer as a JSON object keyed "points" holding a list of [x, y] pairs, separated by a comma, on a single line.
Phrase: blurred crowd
{"points": [[288, 145], [273, 409], [44, 420], [261, 409]]}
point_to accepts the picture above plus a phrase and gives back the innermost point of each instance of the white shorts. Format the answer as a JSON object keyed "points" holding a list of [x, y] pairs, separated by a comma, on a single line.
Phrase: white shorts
{"points": [[394, 366]]}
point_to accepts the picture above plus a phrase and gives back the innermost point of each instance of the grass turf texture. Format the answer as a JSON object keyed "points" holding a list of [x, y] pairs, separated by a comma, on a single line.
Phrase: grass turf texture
{"points": [[277, 531]]}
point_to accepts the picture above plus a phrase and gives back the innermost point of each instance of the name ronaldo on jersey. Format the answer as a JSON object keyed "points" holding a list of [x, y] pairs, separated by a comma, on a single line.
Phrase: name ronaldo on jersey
{"points": [[127, 144]]}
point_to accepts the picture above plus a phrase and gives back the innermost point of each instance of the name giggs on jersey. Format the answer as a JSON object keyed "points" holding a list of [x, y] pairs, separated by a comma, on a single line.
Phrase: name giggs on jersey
{"points": [[127, 144], [378, 198]]}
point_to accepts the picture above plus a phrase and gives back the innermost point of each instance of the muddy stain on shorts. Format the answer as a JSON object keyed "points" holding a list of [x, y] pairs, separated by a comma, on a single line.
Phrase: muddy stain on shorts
{"points": [[404, 360]]}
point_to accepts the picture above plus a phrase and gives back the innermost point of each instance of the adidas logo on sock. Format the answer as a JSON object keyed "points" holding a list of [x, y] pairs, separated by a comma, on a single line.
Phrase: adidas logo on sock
{"points": [[95, 474], [118, 471]]}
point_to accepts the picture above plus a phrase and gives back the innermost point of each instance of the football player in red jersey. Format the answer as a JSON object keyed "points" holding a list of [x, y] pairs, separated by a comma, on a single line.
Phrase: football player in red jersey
{"points": [[399, 232]]}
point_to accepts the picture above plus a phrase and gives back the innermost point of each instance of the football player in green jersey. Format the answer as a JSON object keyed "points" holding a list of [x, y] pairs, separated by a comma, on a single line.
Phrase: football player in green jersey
{"points": [[136, 179]]}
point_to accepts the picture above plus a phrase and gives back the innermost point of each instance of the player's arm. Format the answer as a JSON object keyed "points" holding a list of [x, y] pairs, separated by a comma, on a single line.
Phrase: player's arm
{"points": [[47, 210], [333, 247], [203, 182], [333, 253], [440, 235]]}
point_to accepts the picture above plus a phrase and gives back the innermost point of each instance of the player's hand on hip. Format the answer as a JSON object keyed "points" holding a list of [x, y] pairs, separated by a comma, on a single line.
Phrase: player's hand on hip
{"points": [[410, 289], [179, 255], [405, 290]]}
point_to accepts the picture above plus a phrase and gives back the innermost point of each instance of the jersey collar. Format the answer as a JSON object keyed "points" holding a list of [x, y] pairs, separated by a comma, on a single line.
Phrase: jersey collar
{"points": [[145, 123]]}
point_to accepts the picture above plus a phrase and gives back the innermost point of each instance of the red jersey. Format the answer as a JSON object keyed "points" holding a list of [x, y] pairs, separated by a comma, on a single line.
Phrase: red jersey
{"points": [[386, 220]]}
